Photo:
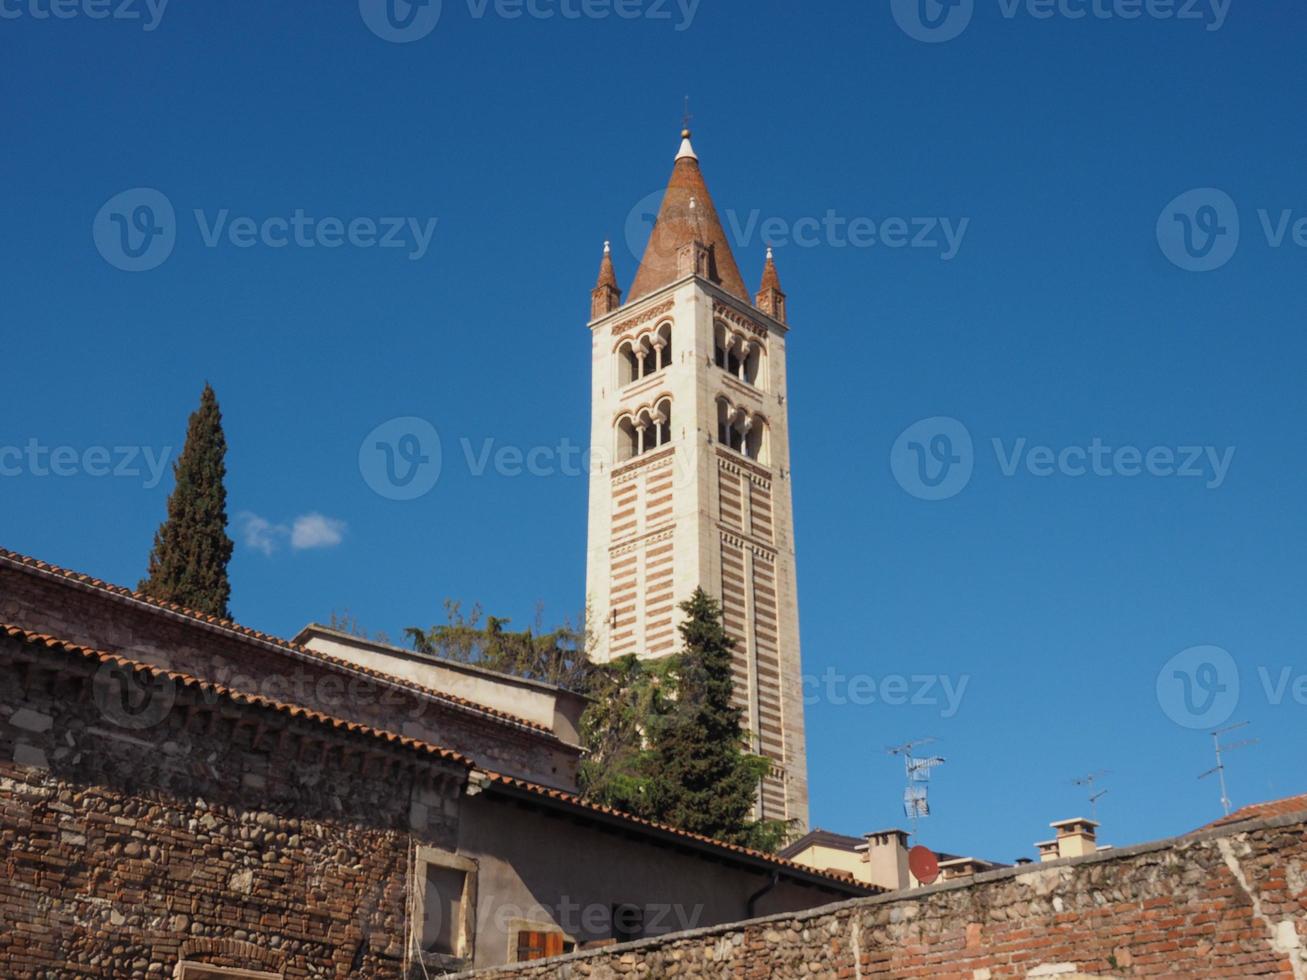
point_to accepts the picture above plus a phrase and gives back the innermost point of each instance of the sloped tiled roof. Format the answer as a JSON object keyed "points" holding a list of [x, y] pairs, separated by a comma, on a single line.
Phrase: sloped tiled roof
{"points": [[1262, 811], [53, 645], [36, 565], [43, 642]]}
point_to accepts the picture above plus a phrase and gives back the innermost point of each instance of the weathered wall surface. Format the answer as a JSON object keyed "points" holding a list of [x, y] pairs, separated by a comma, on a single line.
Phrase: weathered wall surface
{"points": [[232, 837], [1220, 904], [52, 604]]}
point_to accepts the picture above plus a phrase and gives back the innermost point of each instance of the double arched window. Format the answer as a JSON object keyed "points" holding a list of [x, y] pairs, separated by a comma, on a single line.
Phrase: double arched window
{"points": [[738, 355], [645, 355], [644, 429], [742, 430]]}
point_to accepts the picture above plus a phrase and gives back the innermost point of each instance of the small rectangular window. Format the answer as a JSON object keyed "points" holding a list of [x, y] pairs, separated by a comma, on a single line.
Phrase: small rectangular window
{"points": [[443, 909], [444, 897]]}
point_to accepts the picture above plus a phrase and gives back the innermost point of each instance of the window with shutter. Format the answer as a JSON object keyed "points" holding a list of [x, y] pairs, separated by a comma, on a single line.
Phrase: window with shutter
{"points": [[540, 945]]}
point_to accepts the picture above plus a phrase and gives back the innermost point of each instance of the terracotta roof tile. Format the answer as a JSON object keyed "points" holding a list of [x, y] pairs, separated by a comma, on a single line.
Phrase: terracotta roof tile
{"points": [[1262, 811], [53, 643], [35, 564], [687, 214]]}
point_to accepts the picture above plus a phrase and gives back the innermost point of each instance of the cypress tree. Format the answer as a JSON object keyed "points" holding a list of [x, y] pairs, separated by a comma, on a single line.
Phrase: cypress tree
{"points": [[703, 778], [188, 563]]}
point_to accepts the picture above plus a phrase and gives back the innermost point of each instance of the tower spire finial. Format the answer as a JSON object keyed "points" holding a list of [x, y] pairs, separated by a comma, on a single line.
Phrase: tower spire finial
{"points": [[771, 299], [607, 295]]}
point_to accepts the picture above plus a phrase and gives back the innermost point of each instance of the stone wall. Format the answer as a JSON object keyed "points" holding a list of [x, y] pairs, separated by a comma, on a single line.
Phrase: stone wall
{"points": [[227, 833], [1217, 904], [81, 613]]}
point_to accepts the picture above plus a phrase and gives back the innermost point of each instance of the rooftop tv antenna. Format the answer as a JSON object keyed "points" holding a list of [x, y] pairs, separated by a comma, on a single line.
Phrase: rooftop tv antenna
{"points": [[1221, 750], [1088, 783], [917, 768]]}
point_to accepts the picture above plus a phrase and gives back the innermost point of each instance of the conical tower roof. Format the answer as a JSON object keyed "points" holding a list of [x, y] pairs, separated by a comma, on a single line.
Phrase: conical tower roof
{"points": [[687, 214]]}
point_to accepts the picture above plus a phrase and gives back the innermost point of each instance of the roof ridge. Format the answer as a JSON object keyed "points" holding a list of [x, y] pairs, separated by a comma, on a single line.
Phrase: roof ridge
{"points": [[28, 562], [232, 694]]}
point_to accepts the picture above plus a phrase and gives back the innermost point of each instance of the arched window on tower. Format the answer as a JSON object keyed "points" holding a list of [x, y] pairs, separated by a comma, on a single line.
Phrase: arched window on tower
{"points": [[628, 440], [628, 368], [741, 431], [663, 345], [662, 420], [645, 430]]}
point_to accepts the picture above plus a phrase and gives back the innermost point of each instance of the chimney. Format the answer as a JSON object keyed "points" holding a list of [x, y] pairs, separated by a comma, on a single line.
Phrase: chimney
{"points": [[1077, 837], [967, 867], [885, 855]]}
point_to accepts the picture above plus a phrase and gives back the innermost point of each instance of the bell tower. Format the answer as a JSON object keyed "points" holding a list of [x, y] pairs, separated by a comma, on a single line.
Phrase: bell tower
{"points": [[690, 482]]}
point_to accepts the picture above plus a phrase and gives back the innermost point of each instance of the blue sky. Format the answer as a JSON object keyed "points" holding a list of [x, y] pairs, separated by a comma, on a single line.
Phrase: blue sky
{"points": [[1059, 320]]}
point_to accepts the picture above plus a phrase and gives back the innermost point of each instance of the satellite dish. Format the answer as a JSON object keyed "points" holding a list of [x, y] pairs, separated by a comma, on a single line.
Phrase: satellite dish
{"points": [[923, 864]]}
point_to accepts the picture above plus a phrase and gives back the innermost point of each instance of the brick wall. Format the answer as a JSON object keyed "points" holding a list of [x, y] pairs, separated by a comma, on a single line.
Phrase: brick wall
{"points": [[1219, 904], [228, 834], [72, 611]]}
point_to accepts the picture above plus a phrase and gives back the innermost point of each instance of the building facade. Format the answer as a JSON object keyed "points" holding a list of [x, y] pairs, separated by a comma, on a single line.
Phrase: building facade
{"points": [[184, 797], [691, 481]]}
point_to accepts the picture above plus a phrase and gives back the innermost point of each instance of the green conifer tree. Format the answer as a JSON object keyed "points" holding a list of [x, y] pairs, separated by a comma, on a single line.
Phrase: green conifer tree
{"points": [[702, 777], [188, 563]]}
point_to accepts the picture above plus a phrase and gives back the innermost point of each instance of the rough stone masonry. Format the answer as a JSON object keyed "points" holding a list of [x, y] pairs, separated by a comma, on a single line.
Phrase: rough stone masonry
{"points": [[1216, 904]]}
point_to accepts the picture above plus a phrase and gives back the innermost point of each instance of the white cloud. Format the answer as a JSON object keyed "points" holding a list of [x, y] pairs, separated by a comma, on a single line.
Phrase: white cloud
{"points": [[316, 531], [307, 531], [259, 533]]}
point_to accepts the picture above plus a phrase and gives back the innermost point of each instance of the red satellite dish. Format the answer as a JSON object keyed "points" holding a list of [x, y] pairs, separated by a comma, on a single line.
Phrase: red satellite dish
{"points": [[923, 864]]}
